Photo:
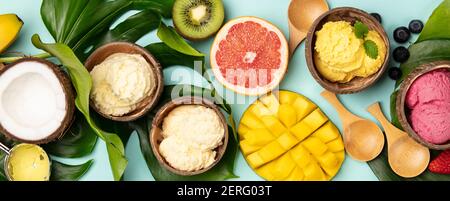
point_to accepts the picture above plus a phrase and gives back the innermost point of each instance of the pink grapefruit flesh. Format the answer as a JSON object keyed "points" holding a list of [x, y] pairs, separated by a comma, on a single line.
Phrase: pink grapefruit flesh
{"points": [[249, 56]]}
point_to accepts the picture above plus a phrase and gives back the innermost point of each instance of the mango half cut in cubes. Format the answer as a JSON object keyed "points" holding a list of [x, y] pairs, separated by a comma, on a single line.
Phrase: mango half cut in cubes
{"points": [[286, 137]]}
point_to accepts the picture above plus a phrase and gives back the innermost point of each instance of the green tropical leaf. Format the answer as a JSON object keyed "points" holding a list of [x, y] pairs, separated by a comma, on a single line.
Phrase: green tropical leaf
{"points": [[133, 28], [394, 117], [171, 38], [80, 23], [424, 52], [122, 129], [82, 82], [2, 170], [173, 91], [74, 22], [438, 25], [64, 172], [162, 6], [78, 141], [170, 57], [9, 143]]}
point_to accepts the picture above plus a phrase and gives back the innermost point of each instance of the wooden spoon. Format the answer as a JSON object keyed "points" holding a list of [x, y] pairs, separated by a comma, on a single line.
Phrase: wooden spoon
{"points": [[363, 139], [301, 15], [406, 157]]}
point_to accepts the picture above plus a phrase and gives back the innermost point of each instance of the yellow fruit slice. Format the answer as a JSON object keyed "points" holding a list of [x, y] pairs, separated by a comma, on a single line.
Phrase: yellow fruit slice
{"points": [[10, 26], [271, 102], [296, 175], [286, 137], [274, 125], [287, 115]]}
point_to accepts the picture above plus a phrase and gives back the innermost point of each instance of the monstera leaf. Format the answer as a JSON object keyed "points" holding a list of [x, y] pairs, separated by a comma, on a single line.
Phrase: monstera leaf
{"points": [[133, 28], [81, 23], [78, 141], [64, 172], [437, 26]]}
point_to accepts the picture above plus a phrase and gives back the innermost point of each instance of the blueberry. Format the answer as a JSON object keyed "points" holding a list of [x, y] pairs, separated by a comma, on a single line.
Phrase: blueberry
{"points": [[395, 73], [401, 34], [415, 26], [401, 54], [376, 16]]}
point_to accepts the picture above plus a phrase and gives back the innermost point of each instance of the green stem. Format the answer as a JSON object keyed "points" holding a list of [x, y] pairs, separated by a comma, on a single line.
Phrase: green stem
{"points": [[13, 59]]}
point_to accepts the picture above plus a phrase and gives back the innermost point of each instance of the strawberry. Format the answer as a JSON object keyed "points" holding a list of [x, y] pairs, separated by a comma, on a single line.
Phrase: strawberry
{"points": [[441, 164]]}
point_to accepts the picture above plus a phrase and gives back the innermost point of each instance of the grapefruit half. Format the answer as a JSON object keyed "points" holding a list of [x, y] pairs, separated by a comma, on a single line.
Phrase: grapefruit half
{"points": [[249, 56]]}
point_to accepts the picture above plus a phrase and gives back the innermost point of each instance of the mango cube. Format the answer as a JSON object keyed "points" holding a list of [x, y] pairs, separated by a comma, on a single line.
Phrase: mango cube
{"points": [[296, 175], [283, 167], [273, 124], [287, 97], [287, 141], [315, 146], [313, 172], [259, 109], [259, 137], [327, 132], [287, 115], [248, 148], [309, 124], [251, 121], [271, 102], [303, 107]]}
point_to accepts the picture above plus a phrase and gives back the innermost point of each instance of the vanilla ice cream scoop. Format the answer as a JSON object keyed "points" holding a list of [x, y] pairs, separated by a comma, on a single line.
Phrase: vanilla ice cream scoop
{"points": [[191, 135], [121, 82], [194, 123]]}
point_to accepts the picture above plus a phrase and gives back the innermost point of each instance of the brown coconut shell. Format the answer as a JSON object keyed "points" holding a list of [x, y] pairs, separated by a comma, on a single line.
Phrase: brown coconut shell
{"points": [[99, 55], [156, 137], [66, 85], [351, 15]]}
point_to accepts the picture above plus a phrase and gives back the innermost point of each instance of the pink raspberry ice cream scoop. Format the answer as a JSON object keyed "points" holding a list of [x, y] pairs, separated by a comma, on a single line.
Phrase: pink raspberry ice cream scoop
{"points": [[428, 99]]}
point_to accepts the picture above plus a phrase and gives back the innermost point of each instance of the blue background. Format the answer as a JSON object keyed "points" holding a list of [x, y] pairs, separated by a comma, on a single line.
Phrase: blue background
{"points": [[394, 13]]}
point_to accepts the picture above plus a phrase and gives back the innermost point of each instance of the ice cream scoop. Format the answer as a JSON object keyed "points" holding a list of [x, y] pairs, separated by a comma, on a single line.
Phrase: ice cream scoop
{"points": [[422, 104], [428, 100], [26, 162]]}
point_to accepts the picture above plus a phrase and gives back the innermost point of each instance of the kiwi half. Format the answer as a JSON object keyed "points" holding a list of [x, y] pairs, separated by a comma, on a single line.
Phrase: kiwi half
{"points": [[197, 19]]}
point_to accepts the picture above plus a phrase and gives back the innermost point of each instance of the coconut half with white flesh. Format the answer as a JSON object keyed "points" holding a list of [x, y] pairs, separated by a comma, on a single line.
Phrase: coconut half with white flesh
{"points": [[36, 101]]}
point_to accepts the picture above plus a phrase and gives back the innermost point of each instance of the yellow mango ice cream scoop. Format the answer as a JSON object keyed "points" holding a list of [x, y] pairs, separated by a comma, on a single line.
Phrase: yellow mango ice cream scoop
{"points": [[26, 162], [340, 55]]}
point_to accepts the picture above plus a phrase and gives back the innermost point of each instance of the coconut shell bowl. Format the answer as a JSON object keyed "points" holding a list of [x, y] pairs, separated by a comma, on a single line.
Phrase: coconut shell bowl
{"points": [[99, 55], [351, 15], [69, 96], [156, 136], [403, 111]]}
